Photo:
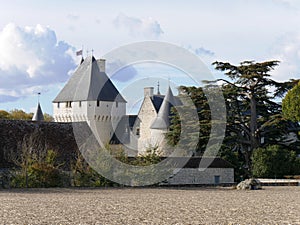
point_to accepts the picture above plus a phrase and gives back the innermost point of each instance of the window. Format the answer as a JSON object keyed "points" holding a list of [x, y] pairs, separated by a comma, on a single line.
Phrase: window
{"points": [[117, 104], [79, 103], [58, 105], [137, 131], [68, 104], [98, 103]]}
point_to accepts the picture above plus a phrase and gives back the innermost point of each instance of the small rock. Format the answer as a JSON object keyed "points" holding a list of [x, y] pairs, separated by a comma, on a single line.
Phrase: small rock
{"points": [[249, 184]]}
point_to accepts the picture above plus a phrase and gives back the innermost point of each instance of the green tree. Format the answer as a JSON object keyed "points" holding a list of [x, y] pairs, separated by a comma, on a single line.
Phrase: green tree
{"points": [[18, 114], [48, 117], [197, 95], [291, 104], [253, 113], [273, 161], [36, 166], [254, 118], [85, 176], [4, 114]]}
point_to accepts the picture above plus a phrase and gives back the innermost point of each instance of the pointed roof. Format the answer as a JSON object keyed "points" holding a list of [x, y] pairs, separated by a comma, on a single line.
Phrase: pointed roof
{"points": [[162, 121], [88, 83], [38, 115], [157, 100]]}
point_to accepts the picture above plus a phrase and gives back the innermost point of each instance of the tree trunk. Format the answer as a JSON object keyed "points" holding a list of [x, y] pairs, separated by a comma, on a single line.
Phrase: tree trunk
{"points": [[253, 124]]}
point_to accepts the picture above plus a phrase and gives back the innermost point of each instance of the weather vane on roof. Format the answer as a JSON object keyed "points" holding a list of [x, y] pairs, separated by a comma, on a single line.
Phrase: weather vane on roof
{"points": [[39, 93], [158, 92]]}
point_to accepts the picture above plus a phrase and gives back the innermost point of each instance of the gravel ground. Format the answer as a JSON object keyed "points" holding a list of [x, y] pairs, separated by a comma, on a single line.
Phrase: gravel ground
{"points": [[273, 205]]}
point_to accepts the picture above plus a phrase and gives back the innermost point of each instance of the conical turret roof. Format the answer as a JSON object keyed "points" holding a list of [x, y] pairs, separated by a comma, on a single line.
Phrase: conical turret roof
{"points": [[88, 83], [38, 115], [162, 121]]}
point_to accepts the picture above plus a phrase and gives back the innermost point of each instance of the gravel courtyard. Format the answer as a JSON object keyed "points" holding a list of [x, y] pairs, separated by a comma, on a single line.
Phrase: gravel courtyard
{"points": [[273, 205]]}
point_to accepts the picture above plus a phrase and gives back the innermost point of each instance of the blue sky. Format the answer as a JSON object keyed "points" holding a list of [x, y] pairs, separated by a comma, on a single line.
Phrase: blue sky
{"points": [[38, 39]]}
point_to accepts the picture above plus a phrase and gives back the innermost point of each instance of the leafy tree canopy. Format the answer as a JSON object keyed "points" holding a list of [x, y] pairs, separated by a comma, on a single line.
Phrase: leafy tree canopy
{"points": [[254, 117], [18, 114], [291, 104], [274, 161]]}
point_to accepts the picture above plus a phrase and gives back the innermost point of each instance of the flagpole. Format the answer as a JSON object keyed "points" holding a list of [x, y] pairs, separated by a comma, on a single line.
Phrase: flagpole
{"points": [[39, 93], [82, 52]]}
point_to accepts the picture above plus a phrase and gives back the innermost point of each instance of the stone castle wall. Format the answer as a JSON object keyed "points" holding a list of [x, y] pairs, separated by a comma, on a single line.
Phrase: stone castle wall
{"points": [[55, 136], [60, 138]]}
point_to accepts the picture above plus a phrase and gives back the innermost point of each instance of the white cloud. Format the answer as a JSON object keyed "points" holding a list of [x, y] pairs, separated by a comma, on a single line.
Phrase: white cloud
{"points": [[289, 3], [73, 16], [31, 57], [287, 51], [147, 28], [201, 51]]}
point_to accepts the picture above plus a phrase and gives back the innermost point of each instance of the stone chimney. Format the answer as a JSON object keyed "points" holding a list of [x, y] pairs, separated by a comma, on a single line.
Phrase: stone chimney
{"points": [[148, 91], [101, 64]]}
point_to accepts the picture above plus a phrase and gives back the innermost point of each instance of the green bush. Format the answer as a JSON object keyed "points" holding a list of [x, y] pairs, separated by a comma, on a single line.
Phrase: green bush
{"points": [[274, 161], [40, 174], [85, 176]]}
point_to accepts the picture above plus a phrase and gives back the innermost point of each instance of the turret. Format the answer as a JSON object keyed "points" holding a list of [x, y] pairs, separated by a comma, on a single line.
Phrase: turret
{"points": [[38, 115], [162, 121]]}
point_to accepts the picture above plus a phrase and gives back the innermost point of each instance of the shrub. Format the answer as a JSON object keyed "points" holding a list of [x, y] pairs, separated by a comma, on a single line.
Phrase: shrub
{"points": [[40, 173], [85, 176], [273, 161]]}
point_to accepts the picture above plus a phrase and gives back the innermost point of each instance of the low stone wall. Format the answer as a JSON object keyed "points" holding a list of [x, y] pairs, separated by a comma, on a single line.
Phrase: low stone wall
{"points": [[279, 182], [208, 176]]}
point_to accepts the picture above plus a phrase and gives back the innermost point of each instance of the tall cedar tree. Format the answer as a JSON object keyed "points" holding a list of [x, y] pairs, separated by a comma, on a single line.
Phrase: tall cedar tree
{"points": [[253, 116]]}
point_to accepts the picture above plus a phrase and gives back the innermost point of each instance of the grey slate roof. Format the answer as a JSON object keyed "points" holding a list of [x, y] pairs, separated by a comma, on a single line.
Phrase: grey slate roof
{"points": [[38, 115], [162, 121], [157, 101], [89, 84], [122, 132]]}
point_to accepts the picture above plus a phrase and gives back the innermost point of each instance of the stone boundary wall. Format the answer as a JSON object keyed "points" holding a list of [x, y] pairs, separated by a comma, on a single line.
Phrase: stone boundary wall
{"points": [[56, 136], [194, 176], [60, 138]]}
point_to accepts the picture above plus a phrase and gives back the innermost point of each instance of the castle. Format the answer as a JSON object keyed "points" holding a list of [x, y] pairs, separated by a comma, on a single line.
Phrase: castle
{"points": [[91, 96]]}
